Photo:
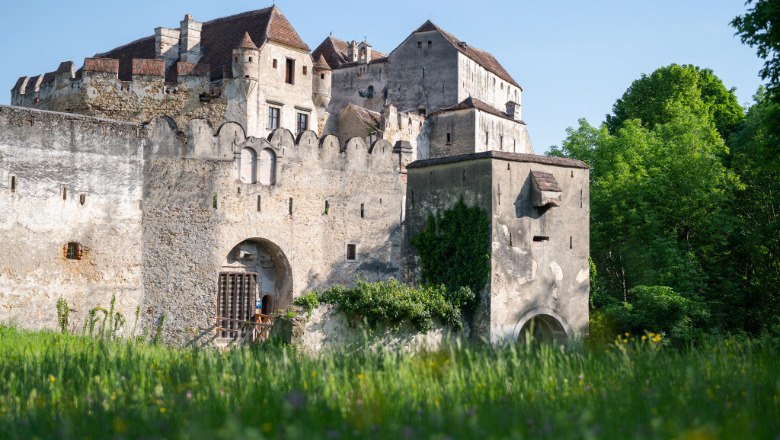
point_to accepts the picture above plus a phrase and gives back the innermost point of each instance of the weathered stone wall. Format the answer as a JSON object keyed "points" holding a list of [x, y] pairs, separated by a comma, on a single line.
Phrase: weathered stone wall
{"points": [[423, 78], [501, 134], [329, 330], [478, 82], [549, 277], [460, 125], [165, 209], [349, 82], [97, 159], [528, 278]]}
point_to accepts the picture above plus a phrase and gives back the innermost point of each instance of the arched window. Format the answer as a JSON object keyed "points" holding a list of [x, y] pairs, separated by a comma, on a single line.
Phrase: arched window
{"points": [[248, 165], [266, 167]]}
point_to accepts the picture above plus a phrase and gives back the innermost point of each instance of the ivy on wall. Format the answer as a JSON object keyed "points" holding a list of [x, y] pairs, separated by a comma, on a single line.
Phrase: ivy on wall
{"points": [[454, 251]]}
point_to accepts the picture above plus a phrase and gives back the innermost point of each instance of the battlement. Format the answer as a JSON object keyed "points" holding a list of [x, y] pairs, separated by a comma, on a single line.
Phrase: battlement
{"points": [[162, 138]]}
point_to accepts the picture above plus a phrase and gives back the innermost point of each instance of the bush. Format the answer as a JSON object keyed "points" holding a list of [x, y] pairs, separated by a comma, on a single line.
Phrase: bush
{"points": [[308, 302], [659, 309], [391, 303]]}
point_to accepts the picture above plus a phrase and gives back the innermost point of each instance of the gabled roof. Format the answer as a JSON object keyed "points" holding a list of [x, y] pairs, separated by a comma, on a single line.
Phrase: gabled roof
{"points": [[218, 39], [481, 57], [473, 103], [335, 52], [369, 117]]}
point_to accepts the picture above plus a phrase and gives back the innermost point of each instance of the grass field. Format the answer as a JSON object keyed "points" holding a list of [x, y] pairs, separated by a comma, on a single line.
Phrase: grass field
{"points": [[57, 386]]}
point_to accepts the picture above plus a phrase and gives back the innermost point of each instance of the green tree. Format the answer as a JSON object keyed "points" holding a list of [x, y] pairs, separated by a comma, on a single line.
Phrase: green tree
{"points": [[653, 99], [756, 242], [760, 28]]}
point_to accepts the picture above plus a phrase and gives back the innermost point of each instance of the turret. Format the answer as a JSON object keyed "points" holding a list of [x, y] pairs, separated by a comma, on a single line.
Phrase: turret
{"points": [[246, 63], [321, 85]]}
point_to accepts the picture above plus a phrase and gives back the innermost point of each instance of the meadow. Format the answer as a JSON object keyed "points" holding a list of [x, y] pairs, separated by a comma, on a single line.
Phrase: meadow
{"points": [[64, 386]]}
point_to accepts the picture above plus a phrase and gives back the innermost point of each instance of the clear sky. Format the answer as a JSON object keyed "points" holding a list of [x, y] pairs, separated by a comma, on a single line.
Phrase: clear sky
{"points": [[573, 58]]}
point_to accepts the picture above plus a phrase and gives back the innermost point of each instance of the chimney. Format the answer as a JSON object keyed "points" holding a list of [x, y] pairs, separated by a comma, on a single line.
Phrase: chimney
{"points": [[513, 110], [189, 43], [352, 52], [166, 45]]}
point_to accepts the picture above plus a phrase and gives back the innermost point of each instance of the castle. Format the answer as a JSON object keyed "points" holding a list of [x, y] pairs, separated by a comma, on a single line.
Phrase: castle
{"points": [[211, 166]]}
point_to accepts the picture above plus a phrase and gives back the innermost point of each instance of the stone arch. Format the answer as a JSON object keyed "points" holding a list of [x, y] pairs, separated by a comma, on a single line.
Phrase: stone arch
{"points": [[266, 167], [274, 275], [544, 325], [248, 166]]}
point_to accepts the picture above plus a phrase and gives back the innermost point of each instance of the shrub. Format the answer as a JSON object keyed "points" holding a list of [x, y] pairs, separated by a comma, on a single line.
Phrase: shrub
{"points": [[308, 302], [391, 303], [659, 309]]}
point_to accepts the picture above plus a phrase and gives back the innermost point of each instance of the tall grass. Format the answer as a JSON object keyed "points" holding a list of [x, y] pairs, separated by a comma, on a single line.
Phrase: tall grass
{"points": [[64, 386]]}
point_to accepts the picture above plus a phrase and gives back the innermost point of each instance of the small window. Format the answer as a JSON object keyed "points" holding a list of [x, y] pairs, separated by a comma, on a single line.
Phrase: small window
{"points": [[571, 242], [419, 44], [273, 117], [430, 43], [250, 59], [541, 238], [487, 139], [351, 252], [362, 210], [449, 138], [581, 204], [64, 192], [421, 112], [13, 183], [290, 206], [322, 76], [236, 59], [259, 203], [214, 200], [73, 251], [274, 63], [510, 239], [327, 208], [82, 199], [302, 123], [289, 76], [305, 70]]}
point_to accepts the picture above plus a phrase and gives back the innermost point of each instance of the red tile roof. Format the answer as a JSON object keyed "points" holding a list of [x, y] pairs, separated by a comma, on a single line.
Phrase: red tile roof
{"points": [[247, 43], [321, 64], [545, 181], [218, 39], [335, 52], [480, 56], [369, 117], [473, 103]]}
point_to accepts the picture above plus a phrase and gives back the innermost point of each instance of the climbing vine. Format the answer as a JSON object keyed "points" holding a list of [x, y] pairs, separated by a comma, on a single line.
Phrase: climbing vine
{"points": [[454, 250]]}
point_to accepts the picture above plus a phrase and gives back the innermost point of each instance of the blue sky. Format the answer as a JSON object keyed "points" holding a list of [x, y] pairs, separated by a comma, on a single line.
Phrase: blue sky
{"points": [[572, 58]]}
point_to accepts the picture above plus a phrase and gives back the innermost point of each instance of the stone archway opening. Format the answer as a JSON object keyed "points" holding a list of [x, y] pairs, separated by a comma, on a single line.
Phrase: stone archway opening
{"points": [[256, 279], [542, 328]]}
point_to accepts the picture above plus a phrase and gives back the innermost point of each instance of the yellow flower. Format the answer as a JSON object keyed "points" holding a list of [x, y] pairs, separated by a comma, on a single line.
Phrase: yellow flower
{"points": [[361, 376], [644, 337], [626, 333], [52, 379]]}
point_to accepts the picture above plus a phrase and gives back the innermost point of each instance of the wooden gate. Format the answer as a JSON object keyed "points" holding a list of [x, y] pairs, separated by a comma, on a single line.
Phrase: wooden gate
{"points": [[236, 303]]}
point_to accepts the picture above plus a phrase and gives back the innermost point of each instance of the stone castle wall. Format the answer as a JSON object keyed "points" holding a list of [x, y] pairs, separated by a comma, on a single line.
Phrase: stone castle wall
{"points": [[165, 208]]}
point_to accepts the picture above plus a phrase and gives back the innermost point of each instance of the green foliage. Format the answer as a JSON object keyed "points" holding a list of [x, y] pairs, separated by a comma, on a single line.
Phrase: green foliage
{"points": [[308, 302], [159, 329], [659, 309], [63, 386], [760, 28], [63, 314], [392, 303], [454, 250], [654, 99]]}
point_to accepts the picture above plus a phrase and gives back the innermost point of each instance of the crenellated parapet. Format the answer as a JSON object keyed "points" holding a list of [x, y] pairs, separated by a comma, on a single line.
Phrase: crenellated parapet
{"points": [[162, 138]]}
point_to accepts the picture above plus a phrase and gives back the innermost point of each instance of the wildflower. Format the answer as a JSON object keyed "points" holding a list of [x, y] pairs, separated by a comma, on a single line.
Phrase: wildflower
{"points": [[361, 376], [644, 337], [52, 379], [626, 334], [163, 410]]}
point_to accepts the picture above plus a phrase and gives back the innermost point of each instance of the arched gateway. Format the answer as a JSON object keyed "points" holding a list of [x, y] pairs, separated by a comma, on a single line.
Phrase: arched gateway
{"points": [[255, 279], [539, 326]]}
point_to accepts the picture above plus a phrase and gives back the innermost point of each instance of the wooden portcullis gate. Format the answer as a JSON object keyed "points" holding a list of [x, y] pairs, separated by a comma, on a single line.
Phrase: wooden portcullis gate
{"points": [[236, 306]]}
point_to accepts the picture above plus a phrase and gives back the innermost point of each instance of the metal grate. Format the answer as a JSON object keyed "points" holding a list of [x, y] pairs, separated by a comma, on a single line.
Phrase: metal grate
{"points": [[235, 302]]}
